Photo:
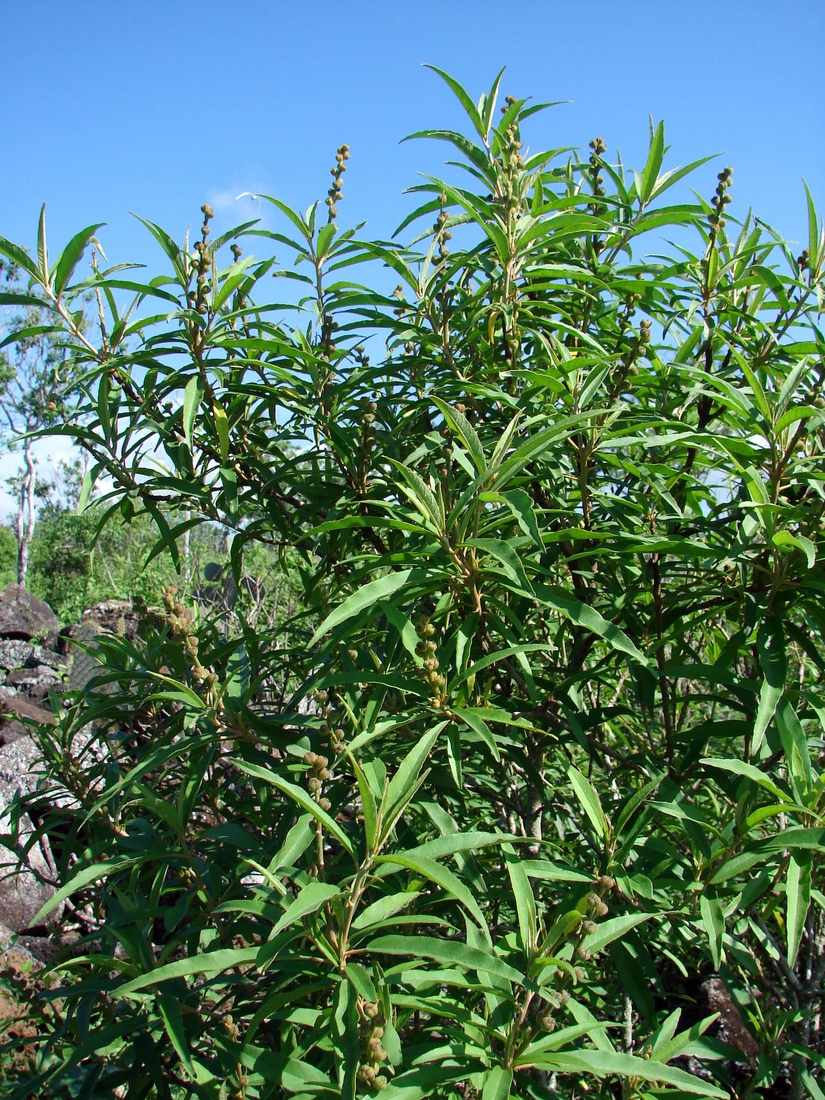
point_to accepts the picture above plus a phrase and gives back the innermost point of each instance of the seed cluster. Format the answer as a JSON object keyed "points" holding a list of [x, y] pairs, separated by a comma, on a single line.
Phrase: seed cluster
{"points": [[181, 625], [204, 262], [598, 148], [442, 233], [427, 648], [373, 1054], [337, 737], [721, 199], [512, 159], [336, 192], [593, 908], [319, 774]]}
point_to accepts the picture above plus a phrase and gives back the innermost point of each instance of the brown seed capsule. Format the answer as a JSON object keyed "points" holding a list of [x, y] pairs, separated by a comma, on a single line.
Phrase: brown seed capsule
{"points": [[207, 211]]}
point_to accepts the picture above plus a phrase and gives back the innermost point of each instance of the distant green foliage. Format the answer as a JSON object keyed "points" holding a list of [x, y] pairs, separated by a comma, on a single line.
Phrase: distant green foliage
{"points": [[8, 557], [532, 744]]}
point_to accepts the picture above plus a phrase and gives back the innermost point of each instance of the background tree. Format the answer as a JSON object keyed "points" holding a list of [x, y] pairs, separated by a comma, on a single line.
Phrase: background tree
{"points": [[37, 383]]}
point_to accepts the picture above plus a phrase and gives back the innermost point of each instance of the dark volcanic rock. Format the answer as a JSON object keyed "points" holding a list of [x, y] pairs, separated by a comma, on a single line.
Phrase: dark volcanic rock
{"points": [[24, 617]]}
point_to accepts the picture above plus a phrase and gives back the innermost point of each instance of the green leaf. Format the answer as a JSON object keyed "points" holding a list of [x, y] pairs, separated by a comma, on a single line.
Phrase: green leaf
{"points": [[524, 900], [208, 962], [507, 557], [589, 801], [472, 717], [192, 397], [615, 928], [798, 900], [366, 597], [610, 1063], [300, 797], [402, 783], [83, 878], [785, 539], [310, 899], [452, 952], [222, 428], [795, 747], [467, 432], [170, 1011], [345, 1037], [361, 980], [384, 909], [588, 617], [770, 645], [70, 257], [21, 258], [521, 506], [650, 175], [498, 1084], [368, 804], [463, 98], [713, 919], [441, 876]]}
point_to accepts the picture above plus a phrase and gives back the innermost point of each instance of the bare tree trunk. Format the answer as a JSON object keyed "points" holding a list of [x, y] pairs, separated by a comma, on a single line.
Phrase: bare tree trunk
{"points": [[25, 514]]}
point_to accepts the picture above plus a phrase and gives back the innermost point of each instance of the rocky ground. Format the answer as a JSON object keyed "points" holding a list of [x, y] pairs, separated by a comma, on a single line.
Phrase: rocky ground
{"points": [[37, 663]]}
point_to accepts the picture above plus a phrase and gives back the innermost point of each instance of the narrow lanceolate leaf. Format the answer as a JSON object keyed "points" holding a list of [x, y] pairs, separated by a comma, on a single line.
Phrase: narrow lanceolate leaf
{"points": [[798, 900], [589, 801], [70, 257], [169, 1008], [770, 645], [466, 431], [452, 952], [409, 769], [192, 397], [714, 921], [208, 962], [441, 876], [523, 897], [795, 747], [83, 878], [300, 797], [498, 1084], [613, 929], [366, 597], [610, 1063], [588, 617], [310, 899]]}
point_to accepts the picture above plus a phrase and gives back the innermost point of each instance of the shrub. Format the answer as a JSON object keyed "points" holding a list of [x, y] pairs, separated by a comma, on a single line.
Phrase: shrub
{"points": [[538, 763]]}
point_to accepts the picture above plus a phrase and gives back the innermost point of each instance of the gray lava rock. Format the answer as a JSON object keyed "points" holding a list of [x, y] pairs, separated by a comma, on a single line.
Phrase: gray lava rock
{"points": [[22, 892], [24, 617], [35, 683]]}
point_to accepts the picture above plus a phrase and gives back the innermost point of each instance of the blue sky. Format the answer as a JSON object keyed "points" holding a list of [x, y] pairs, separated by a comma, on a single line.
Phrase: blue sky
{"points": [[155, 107]]}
